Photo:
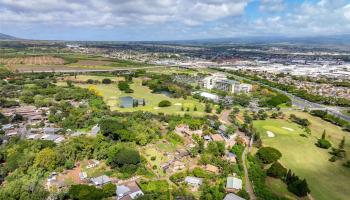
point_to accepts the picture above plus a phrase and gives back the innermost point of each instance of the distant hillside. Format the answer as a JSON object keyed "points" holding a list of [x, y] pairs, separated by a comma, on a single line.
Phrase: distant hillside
{"points": [[7, 37]]}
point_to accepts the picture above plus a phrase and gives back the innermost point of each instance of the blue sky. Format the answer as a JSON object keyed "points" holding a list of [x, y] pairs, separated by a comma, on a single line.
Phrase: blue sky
{"points": [[171, 19]]}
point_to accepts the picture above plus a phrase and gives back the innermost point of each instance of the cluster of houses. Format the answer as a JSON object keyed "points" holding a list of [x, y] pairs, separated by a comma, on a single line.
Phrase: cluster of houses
{"points": [[233, 183], [219, 81], [124, 190]]}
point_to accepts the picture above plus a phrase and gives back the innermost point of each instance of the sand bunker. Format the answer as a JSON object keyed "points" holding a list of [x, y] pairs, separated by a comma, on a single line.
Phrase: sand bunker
{"points": [[289, 129], [156, 108], [270, 134], [178, 104]]}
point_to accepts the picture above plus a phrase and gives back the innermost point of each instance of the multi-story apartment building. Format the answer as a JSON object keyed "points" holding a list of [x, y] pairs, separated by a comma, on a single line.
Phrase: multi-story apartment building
{"points": [[220, 82]]}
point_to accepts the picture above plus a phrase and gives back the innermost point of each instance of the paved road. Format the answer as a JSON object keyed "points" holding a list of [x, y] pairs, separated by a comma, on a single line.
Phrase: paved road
{"points": [[248, 185], [81, 70]]}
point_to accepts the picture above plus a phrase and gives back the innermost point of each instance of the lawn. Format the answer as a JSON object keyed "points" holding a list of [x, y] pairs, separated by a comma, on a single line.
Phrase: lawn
{"points": [[327, 180], [111, 95], [279, 188]]}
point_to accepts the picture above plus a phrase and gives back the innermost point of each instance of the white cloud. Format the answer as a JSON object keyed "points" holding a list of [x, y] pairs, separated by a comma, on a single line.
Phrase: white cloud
{"points": [[272, 5], [118, 12]]}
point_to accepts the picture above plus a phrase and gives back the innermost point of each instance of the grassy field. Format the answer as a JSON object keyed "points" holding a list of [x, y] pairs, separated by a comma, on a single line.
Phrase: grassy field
{"points": [[111, 95], [279, 188], [327, 180]]}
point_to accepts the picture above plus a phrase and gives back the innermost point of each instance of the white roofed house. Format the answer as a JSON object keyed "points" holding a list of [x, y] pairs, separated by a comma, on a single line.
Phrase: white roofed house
{"points": [[233, 184], [95, 130], [194, 181]]}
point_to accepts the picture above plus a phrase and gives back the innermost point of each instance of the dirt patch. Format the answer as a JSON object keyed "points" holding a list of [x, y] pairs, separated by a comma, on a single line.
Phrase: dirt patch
{"points": [[71, 176], [33, 60], [51, 68]]}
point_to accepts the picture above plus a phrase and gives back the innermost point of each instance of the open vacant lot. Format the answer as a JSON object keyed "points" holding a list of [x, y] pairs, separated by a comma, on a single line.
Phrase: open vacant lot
{"points": [[111, 95], [327, 180]]}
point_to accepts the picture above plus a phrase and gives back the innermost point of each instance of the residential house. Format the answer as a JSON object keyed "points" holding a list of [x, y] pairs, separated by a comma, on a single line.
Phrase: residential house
{"points": [[194, 181], [233, 184], [232, 196], [95, 130], [83, 176], [92, 163], [231, 157], [128, 191], [101, 180], [207, 138]]}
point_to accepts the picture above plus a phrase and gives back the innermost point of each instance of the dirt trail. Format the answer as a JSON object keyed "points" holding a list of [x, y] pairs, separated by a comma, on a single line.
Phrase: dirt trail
{"points": [[248, 185]]}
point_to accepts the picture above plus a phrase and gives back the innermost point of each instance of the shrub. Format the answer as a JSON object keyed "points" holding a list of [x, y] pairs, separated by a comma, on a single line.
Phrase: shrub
{"points": [[109, 189], [323, 143], [85, 192], [277, 170], [299, 187], [125, 156], [268, 155], [347, 164], [106, 81], [164, 103]]}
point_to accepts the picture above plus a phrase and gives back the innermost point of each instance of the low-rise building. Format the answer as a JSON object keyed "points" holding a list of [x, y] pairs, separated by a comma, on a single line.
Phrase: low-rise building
{"points": [[128, 191], [233, 184], [232, 196], [101, 180], [194, 181]]}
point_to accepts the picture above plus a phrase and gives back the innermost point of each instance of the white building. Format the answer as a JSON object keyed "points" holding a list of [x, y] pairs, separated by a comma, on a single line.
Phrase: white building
{"points": [[220, 82]]}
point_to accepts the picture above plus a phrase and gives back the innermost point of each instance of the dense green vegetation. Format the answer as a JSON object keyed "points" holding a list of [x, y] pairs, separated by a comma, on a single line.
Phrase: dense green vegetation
{"points": [[331, 118]]}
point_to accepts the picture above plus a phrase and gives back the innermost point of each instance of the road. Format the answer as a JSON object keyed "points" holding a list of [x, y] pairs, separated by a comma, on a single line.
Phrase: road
{"points": [[81, 70], [248, 185], [302, 103]]}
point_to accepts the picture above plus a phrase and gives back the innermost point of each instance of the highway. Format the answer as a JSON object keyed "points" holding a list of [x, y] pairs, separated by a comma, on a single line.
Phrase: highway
{"points": [[82, 70]]}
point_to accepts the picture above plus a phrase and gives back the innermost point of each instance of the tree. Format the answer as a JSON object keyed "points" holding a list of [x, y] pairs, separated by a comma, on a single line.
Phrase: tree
{"points": [[85, 192], [164, 103], [125, 156], [195, 108], [216, 148], [342, 143], [322, 142], [109, 189], [106, 81], [323, 135], [268, 155], [299, 187], [208, 108], [47, 159], [90, 81], [70, 83], [277, 170]]}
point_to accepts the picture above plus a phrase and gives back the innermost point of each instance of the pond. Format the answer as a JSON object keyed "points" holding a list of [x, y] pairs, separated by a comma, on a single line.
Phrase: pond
{"points": [[166, 93], [126, 102], [129, 102]]}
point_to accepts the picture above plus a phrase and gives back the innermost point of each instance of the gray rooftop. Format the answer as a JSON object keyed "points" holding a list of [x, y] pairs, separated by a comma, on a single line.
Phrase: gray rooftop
{"points": [[193, 180], [231, 196], [101, 180], [122, 190]]}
